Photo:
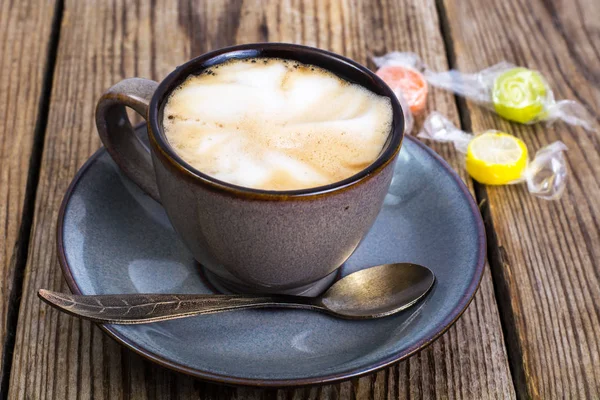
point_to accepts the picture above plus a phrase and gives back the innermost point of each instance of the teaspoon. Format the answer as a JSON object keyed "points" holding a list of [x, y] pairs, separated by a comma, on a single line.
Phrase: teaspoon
{"points": [[369, 293]]}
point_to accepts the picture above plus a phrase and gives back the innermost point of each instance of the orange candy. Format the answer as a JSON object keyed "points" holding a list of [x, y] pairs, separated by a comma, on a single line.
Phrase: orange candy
{"points": [[409, 81]]}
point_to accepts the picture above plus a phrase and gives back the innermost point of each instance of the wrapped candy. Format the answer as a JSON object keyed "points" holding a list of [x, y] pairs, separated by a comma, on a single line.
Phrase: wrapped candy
{"points": [[497, 158], [403, 72], [515, 93]]}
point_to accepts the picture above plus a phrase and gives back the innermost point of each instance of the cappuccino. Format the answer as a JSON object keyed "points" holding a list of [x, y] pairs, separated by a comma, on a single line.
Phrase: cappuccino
{"points": [[275, 124]]}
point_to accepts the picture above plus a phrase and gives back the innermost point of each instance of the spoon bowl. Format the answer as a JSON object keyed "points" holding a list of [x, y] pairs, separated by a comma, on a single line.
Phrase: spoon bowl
{"points": [[378, 291], [370, 293]]}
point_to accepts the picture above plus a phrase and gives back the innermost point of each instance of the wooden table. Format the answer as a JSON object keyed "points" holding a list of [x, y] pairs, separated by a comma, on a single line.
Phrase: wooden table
{"points": [[533, 330]]}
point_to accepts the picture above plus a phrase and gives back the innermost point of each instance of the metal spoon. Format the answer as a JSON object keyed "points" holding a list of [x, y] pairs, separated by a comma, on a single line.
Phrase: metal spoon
{"points": [[370, 293]]}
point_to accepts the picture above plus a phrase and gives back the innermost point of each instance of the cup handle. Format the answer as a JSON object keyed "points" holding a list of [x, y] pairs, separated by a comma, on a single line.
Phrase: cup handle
{"points": [[118, 136]]}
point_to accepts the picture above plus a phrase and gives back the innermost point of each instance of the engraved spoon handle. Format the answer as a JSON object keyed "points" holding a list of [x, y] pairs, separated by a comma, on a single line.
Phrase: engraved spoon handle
{"points": [[144, 308]]}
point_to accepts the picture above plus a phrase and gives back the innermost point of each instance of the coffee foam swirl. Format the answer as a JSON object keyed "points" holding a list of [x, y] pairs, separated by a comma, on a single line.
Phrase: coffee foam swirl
{"points": [[276, 124]]}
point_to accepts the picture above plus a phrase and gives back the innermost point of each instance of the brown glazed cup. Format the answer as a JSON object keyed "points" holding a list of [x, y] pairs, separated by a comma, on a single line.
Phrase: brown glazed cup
{"points": [[251, 240]]}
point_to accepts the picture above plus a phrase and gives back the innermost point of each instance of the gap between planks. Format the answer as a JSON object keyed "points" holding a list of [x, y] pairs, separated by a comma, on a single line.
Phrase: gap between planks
{"points": [[514, 351], [33, 174]]}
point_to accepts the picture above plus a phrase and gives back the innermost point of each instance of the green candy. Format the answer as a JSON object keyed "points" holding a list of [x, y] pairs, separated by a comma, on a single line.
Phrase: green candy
{"points": [[519, 95]]}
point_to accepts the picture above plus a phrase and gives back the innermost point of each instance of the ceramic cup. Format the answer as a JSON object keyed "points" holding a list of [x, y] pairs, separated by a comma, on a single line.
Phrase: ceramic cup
{"points": [[250, 240]]}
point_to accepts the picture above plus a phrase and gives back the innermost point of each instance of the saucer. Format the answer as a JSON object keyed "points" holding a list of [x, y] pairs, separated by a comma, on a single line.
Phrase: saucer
{"points": [[112, 238]]}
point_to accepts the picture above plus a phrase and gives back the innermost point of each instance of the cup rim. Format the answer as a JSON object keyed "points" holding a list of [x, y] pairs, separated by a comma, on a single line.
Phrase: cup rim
{"points": [[167, 154]]}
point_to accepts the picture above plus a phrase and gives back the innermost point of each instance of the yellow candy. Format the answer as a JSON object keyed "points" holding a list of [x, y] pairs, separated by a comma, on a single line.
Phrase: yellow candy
{"points": [[519, 95], [496, 158]]}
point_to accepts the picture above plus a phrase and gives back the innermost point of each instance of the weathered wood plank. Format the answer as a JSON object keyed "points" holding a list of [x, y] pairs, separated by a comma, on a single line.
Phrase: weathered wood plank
{"points": [[547, 262], [101, 42], [25, 37]]}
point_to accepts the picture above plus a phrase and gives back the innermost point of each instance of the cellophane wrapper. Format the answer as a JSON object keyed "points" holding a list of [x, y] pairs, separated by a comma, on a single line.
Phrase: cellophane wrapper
{"points": [[545, 175], [479, 88]]}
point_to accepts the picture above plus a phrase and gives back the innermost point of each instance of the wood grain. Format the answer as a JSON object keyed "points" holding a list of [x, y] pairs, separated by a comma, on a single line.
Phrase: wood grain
{"points": [[547, 259], [25, 36], [57, 356]]}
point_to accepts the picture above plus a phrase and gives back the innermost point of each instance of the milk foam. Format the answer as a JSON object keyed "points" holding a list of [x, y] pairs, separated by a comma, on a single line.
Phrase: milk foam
{"points": [[276, 124]]}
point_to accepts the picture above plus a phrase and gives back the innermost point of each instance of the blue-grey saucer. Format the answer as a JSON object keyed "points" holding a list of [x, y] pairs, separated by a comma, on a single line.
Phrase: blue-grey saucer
{"points": [[112, 238]]}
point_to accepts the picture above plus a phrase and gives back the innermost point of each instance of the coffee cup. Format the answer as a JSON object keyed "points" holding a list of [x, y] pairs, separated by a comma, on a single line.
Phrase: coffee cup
{"points": [[247, 239]]}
